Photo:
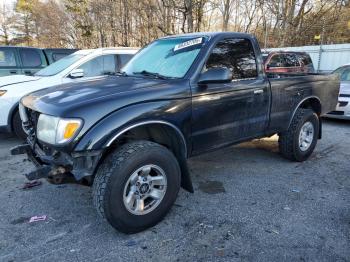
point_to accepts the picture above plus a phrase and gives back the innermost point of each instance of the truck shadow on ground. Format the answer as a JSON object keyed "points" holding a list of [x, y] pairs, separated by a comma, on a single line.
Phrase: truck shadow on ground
{"points": [[336, 122]]}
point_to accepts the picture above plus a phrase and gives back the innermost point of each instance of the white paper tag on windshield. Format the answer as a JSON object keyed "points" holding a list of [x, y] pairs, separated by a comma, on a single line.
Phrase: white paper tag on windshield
{"points": [[188, 43]]}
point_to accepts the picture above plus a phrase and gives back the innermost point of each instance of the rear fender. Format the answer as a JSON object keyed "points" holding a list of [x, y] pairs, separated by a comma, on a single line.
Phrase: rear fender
{"points": [[312, 102]]}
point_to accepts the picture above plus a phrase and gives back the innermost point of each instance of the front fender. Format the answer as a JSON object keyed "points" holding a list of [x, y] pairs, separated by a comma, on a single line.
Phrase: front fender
{"points": [[175, 112]]}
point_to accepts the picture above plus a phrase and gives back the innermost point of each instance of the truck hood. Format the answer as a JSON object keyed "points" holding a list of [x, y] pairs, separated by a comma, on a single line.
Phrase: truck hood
{"points": [[106, 94], [11, 80]]}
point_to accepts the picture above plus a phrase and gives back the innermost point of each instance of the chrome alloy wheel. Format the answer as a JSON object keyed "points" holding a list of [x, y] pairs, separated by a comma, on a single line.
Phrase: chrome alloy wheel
{"points": [[306, 136], [145, 189]]}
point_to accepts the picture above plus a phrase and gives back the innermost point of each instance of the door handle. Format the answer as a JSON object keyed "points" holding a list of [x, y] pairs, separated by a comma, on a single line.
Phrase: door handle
{"points": [[13, 72], [28, 72], [258, 91]]}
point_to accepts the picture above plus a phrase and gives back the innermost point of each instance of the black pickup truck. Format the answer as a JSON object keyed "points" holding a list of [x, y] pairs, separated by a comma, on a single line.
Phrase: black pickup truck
{"points": [[130, 134]]}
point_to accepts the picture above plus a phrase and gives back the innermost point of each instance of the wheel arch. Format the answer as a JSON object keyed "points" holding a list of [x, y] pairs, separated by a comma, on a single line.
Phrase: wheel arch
{"points": [[310, 102], [158, 131], [152, 128]]}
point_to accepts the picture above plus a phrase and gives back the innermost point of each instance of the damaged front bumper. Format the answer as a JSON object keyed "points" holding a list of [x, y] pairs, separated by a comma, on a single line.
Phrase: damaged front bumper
{"points": [[50, 163]]}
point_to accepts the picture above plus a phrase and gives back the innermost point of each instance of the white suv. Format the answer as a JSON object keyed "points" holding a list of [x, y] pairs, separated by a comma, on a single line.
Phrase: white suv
{"points": [[83, 64]]}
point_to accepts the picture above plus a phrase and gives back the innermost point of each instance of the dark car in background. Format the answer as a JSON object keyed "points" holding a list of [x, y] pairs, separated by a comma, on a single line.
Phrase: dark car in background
{"points": [[28, 60], [288, 62]]}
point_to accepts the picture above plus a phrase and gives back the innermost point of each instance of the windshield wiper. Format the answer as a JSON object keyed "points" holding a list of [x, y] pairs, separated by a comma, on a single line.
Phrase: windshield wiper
{"points": [[147, 73], [120, 73]]}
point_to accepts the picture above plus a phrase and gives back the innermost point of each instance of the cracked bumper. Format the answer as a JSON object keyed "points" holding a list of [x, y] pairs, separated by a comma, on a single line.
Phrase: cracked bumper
{"points": [[80, 164]]}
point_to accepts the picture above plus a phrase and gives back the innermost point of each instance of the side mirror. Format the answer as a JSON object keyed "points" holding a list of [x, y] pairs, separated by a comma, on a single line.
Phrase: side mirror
{"points": [[76, 73], [216, 75]]}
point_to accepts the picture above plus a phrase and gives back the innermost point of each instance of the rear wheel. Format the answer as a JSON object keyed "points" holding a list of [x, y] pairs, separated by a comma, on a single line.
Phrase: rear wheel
{"points": [[136, 185], [299, 141], [17, 126]]}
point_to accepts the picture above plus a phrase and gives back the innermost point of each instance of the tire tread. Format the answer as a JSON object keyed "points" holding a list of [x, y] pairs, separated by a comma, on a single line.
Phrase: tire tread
{"points": [[105, 171], [286, 139]]}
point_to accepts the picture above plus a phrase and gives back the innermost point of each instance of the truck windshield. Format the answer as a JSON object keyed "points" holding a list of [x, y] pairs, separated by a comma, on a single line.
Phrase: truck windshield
{"points": [[60, 65], [165, 58]]}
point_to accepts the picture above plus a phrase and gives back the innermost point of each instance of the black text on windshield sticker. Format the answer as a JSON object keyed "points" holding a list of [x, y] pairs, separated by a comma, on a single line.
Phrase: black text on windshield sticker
{"points": [[189, 43]]}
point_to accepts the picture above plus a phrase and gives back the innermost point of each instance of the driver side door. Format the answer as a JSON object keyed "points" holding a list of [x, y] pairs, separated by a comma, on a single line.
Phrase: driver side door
{"points": [[224, 113]]}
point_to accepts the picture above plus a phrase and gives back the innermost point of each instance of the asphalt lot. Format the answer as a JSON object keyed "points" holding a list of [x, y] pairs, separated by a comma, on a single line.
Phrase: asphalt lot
{"points": [[250, 204]]}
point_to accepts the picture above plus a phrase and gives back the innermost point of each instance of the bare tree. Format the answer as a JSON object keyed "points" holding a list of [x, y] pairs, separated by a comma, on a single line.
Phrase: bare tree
{"points": [[101, 23], [6, 20]]}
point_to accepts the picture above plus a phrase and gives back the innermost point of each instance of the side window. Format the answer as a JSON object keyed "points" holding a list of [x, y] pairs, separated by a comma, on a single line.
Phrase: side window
{"points": [[109, 64], [276, 61], [264, 56], [58, 56], [93, 67], [291, 60], [99, 66], [345, 76], [306, 61], [30, 58], [7, 58], [124, 58], [235, 54]]}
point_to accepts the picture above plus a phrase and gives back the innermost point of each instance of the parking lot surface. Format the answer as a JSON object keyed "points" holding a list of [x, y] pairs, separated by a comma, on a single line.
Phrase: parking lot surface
{"points": [[249, 204]]}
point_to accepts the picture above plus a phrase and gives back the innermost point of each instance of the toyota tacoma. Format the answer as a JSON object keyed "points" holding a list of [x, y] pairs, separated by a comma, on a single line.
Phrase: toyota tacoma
{"points": [[129, 134]]}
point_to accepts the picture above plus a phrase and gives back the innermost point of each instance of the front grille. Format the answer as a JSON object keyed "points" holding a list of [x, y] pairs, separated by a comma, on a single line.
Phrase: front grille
{"points": [[31, 118], [343, 103], [29, 126]]}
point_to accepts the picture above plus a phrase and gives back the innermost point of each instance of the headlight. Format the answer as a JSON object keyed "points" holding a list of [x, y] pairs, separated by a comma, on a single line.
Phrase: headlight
{"points": [[2, 92], [55, 130]]}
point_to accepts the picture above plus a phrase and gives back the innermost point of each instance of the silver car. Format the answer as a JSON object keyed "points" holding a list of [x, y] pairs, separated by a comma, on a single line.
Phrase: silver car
{"points": [[343, 108]]}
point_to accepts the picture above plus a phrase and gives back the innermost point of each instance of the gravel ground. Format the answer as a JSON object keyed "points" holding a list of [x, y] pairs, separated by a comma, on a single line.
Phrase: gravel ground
{"points": [[250, 204]]}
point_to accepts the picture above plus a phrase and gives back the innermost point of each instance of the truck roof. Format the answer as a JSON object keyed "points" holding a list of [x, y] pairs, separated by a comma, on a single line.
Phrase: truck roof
{"points": [[211, 34]]}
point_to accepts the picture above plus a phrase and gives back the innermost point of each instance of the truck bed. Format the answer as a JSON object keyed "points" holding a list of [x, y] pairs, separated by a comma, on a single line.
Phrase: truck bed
{"points": [[290, 89]]}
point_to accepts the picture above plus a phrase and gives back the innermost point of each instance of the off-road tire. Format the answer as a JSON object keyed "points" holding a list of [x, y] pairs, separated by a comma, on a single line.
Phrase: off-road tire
{"points": [[17, 126], [113, 174], [289, 140]]}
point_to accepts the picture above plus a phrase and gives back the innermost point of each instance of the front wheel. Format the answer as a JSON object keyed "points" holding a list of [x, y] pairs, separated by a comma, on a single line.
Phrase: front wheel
{"points": [[299, 141], [136, 185]]}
